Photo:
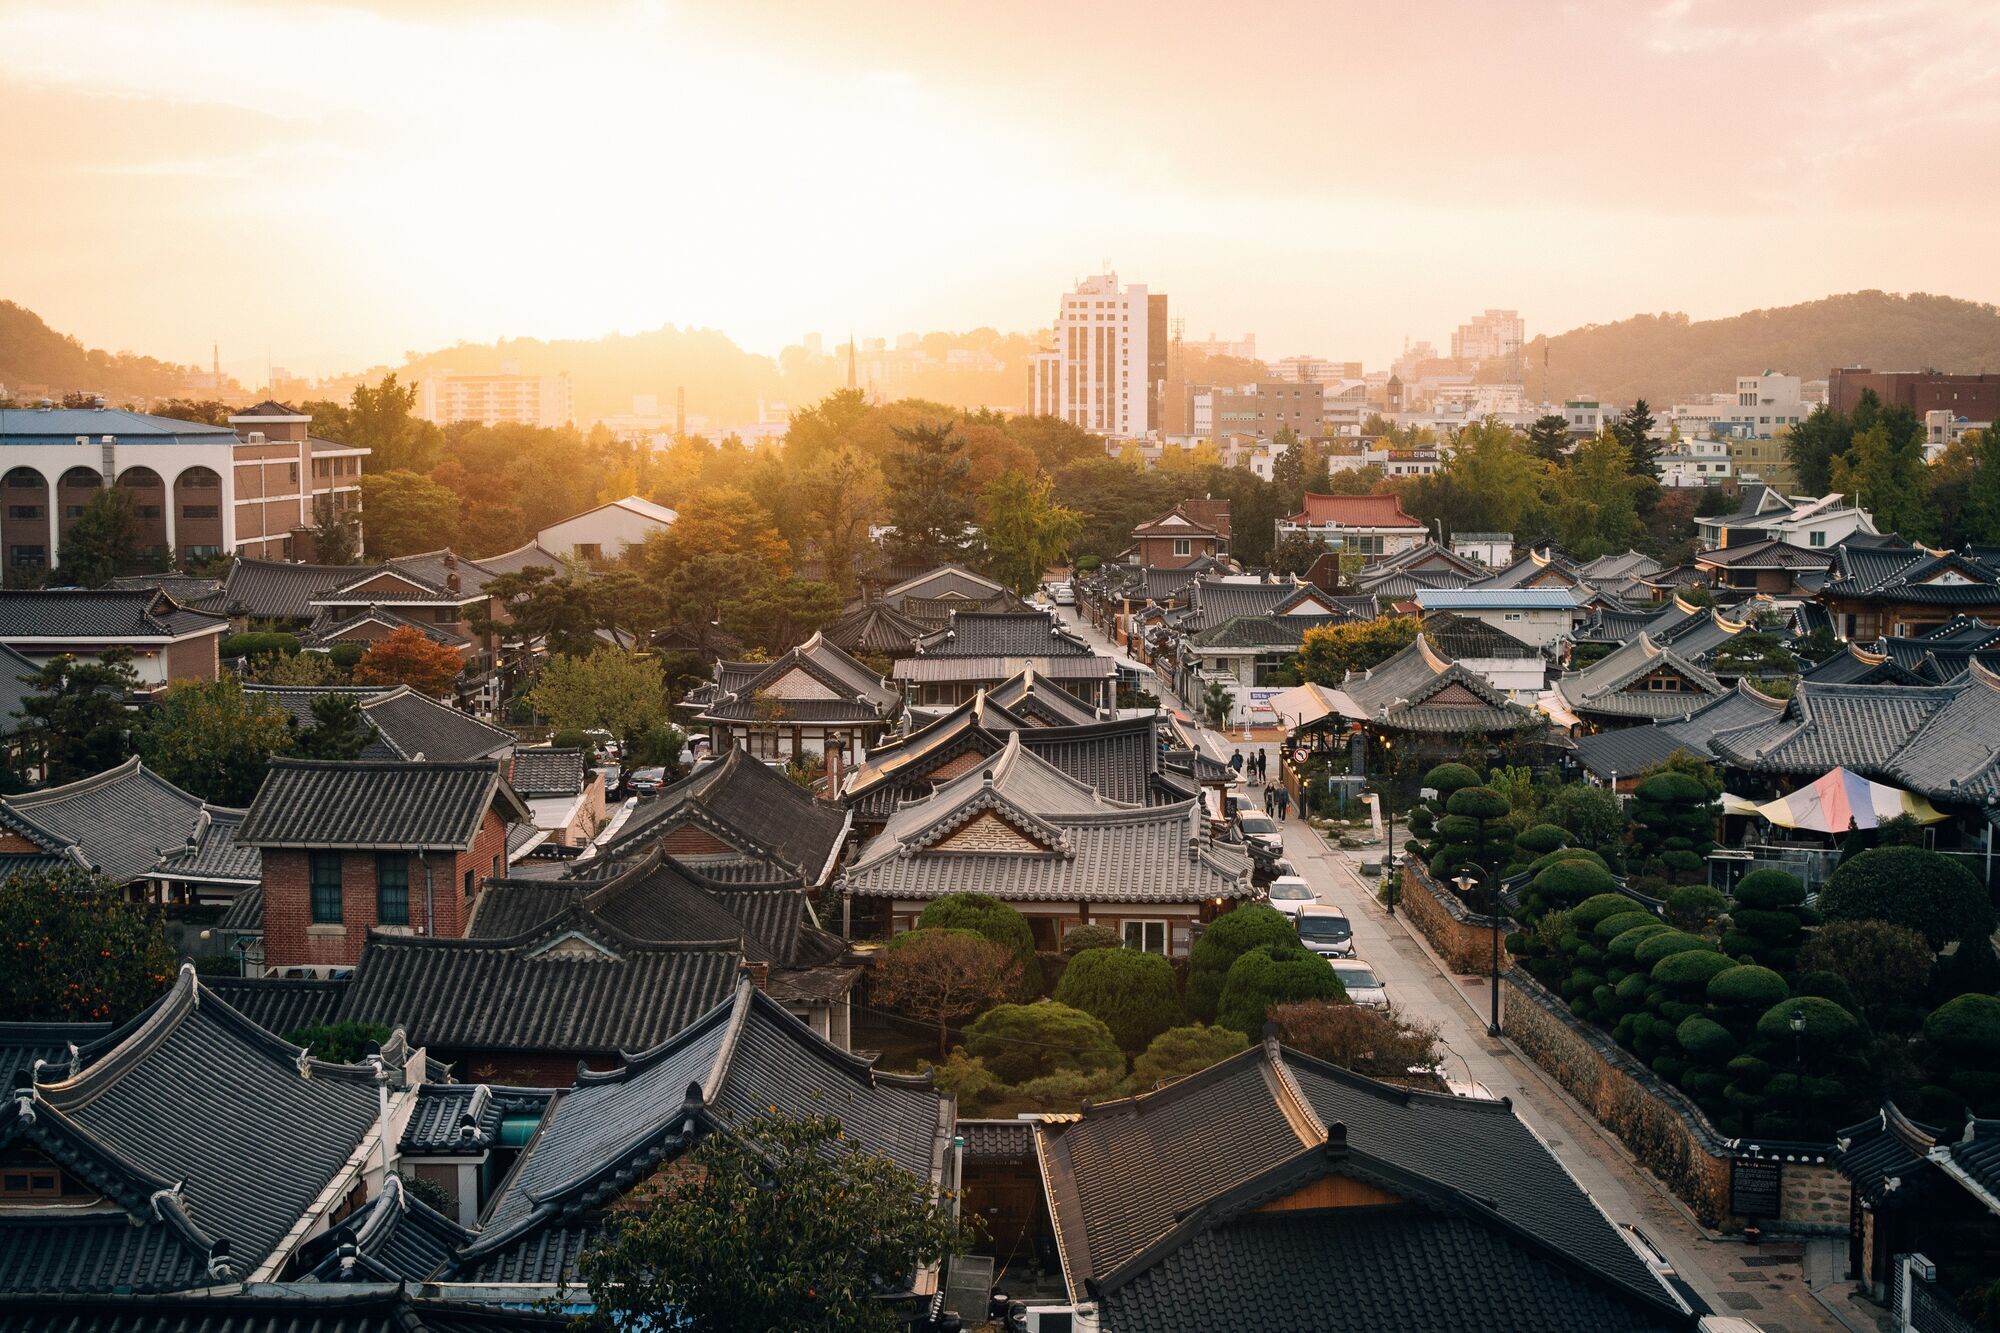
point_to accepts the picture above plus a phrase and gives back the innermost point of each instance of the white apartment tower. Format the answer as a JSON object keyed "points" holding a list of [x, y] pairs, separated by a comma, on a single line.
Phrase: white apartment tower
{"points": [[1110, 347], [493, 399], [1496, 335]]}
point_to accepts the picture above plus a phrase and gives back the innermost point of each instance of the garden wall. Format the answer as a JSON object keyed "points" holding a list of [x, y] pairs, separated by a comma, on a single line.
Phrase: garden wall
{"points": [[1664, 1130], [1462, 938]]}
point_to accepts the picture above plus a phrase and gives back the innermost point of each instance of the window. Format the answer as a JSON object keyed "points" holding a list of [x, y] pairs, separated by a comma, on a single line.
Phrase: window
{"points": [[1151, 936], [148, 511], [200, 511], [392, 888], [24, 511], [1816, 538], [324, 870], [589, 551], [1183, 546], [471, 882]]}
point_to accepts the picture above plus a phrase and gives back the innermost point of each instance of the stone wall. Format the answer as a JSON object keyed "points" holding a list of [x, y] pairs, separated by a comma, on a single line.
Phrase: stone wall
{"points": [[1463, 939], [1664, 1129]]}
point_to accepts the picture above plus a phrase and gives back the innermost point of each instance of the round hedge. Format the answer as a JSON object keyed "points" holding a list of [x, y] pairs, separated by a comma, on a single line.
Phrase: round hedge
{"points": [[1130, 990], [1586, 915], [1459, 828], [1908, 886], [1747, 986], [1769, 890], [259, 643], [1968, 1025], [1478, 803], [1671, 788], [1611, 927], [1078, 938], [1827, 1024], [1695, 900], [1627, 942], [1272, 974], [1691, 971], [1705, 1039], [1448, 778], [1543, 862], [1655, 947], [1568, 883], [1226, 939], [997, 921], [1633, 989], [1543, 839]]}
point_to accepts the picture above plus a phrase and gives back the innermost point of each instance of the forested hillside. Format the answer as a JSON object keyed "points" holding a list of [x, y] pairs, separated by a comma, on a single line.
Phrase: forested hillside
{"points": [[32, 353]]}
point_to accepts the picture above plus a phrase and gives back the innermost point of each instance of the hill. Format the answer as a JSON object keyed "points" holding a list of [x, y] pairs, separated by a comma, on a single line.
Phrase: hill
{"points": [[1662, 357], [34, 356]]}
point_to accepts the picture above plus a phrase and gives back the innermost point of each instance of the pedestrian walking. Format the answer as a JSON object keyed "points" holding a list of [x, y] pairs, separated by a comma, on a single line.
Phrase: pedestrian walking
{"points": [[1236, 762], [1263, 763], [1284, 802], [1270, 801]]}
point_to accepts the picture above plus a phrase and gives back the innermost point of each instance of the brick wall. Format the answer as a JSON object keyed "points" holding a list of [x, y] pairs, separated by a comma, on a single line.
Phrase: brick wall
{"points": [[1461, 938], [194, 659]]}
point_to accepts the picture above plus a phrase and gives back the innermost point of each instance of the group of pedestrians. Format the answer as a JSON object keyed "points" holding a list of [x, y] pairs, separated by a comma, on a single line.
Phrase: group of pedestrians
{"points": [[1257, 769]]}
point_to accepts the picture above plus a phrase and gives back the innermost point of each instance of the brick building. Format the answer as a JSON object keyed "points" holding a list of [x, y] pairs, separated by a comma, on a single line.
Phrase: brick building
{"points": [[1192, 530], [1974, 397], [350, 848]]}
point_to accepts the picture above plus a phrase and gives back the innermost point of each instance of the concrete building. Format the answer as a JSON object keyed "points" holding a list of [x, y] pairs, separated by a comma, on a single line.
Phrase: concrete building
{"points": [[1758, 408], [1535, 616], [1695, 462], [1975, 397], [605, 532], [1943, 428], [1494, 335], [1371, 525], [198, 490], [493, 399], [1107, 370], [1257, 410], [1313, 369], [1768, 515], [1587, 416]]}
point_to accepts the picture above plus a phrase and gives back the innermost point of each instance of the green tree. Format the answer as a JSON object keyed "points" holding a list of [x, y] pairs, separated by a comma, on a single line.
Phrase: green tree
{"points": [[943, 976], [1474, 833], [103, 542], [1328, 652], [1130, 990], [1813, 446], [1634, 429], [1216, 703], [1272, 974], [1021, 1043], [75, 722], [777, 1223], [1596, 507], [79, 952], [620, 692], [1026, 530], [1929, 892], [994, 920], [1181, 1051], [337, 730], [1294, 553], [340, 1043], [1982, 503], [1673, 817], [929, 485], [698, 590], [336, 535], [779, 614], [544, 603], [1889, 478], [629, 607], [1593, 817], [1548, 438], [1886, 966], [384, 419], [1222, 943], [1375, 1042], [407, 512], [212, 739], [842, 491]]}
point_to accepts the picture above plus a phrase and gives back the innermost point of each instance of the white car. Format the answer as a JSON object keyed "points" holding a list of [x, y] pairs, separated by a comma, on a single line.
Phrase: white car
{"points": [[1290, 894], [1061, 594], [1326, 931], [1262, 831], [1363, 986]]}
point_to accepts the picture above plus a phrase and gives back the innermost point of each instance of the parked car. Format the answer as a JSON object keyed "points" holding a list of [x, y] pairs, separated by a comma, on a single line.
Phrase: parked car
{"points": [[1363, 986], [1061, 594], [1290, 894], [646, 781], [1236, 803], [1260, 830], [1326, 931]]}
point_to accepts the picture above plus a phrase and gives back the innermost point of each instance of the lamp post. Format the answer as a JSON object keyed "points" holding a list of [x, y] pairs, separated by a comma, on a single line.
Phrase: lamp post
{"points": [[1798, 1026], [1465, 884]]}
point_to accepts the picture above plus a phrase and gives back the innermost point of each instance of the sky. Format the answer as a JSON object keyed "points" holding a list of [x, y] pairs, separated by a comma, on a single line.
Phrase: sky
{"points": [[327, 186]]}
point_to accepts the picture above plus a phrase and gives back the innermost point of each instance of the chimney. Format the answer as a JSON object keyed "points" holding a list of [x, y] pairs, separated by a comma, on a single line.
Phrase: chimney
{"points": [[451, 584], [759, 974]]}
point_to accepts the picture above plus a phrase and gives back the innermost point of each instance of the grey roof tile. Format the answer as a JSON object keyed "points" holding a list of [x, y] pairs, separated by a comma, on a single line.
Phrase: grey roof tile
{"points": [[278, 589], [139, 616], [547, 771], [280, 1005], [386, 805], [770, 813], [119, 821], [212, 855]]}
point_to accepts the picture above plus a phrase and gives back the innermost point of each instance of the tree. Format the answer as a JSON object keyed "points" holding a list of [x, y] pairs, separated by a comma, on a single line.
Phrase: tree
{"points": [[1272, 974], [1216, 704], [611, 689], [1982, 502], [777, 1223], [1673, 817], [727, 519], [1026, 530], [338, 729], [543, 603], [699, 588], [1814, 444], [1634, 429], [384, 419], [943, 977], [1328, 652], [1474, 833], [345, 1043], [1889, 477], [1548, 438], [1178, 1052], [1929, 892], [779, 614], [629, 607], [407, 512], [407, 657], [929, 484], [1226, 939], [210, 738], [1131, 990], [1374, 1042], [75, 722], [1886, 966], [994, 920], [77, 951], [336, 536], [1021, 1043], [299, 668], [1595, 507], [103, 542], [841, 493]]}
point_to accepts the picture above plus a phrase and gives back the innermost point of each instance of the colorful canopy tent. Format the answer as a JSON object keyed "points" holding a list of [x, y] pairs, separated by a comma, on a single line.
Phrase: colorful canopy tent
{"points": [[1842, 799]]}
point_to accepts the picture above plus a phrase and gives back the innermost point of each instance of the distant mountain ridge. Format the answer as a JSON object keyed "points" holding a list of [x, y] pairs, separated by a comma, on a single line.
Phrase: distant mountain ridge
{"points": [[1669, 356], [33, 354]]}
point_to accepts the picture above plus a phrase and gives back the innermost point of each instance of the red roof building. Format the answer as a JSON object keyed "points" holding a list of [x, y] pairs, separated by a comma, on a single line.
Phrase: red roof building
{"points": [[1373, 525]]}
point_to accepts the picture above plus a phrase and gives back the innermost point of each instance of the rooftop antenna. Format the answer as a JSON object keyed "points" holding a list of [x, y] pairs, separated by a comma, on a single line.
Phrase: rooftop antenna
{"points": [[850, 360]]}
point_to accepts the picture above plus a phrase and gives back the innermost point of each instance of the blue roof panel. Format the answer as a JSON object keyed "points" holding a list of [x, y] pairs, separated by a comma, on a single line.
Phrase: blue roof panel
{"points": [[61, 425], [1484, 599]]}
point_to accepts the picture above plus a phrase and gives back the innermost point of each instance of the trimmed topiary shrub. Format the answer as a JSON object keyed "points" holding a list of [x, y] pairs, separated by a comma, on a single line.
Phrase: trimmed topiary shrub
{"points": [[1584, 917], [1653, 948], [1705, 1040], [1226, 939], [1020, 1042], [1623, 945], [1542, 839], [1613, 926], [1688, 973], [1568, 884], [1827, 1024], [1926, 891], [1130, 990], [1078, 938], [1694, 907], [259, 643], [1272, 974], [998, 922], [1968, 1026], [1746, 989], [1543, 862], [1769, 890], [1178, 1052], [1448, 778]]}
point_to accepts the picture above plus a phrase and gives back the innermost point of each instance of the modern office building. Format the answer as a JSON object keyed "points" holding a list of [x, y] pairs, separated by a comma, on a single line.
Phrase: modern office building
{"points": [[494, 399], [1107, 371]]}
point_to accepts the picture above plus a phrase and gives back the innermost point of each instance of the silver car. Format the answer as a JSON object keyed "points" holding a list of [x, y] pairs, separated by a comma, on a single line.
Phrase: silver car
{"points": [[1326, 931], [1363, 986]]}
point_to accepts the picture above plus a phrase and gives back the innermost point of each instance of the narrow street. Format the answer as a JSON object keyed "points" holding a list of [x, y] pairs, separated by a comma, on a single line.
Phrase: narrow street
{"points": [[1772, 1285]]}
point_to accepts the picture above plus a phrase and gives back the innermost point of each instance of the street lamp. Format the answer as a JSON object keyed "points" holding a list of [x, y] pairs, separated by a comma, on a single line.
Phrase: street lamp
{"points": [[1798, 1026], [1465, 884]]}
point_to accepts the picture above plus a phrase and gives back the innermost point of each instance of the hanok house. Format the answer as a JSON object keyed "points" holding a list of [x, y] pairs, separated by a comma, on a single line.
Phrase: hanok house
{"points": [[1019, 829], [440, 587], [1920, 1190], [1873, 592], [977, 651], [1368, 525], [1775, 567], [350, 848], [736, 819], [192, 1150], [1275, 1191], [876, 629], [814, 700], [371, 625], [658, 900], [605, 1140], [1618, 758], [1419, 702], [405, 724], [130, 825], [1192, 530], [564, 796], [1642, 681], [168, 641]]}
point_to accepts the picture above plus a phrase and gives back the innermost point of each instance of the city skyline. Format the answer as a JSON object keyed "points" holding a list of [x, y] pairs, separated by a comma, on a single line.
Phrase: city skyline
{"points": [[326, 187]]}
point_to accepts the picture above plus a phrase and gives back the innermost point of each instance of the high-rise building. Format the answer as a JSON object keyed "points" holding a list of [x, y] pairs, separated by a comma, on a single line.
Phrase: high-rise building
{"points": [[1103, 374], [1496, 335], [490, 400]]}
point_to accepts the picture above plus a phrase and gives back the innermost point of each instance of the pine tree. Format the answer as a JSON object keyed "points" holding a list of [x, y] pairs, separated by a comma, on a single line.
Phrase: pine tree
{"points": [[930, 493]]}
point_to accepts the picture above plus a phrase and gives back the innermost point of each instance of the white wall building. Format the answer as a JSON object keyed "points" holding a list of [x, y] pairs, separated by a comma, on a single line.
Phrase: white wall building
{"points": [[1942, 429], [1588, 416], [1495, 335], [1695, 462], [490, 400], [1096, 375], [1757, 408], [603, 533]]}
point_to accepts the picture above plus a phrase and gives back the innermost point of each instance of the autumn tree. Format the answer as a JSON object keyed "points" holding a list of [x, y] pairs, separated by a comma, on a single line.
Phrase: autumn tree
{"points": [[929, 493], [717, 518], [77, 950], [212, 739], [1328, 652], [1375, 1042], [943, 977], [407, 657], [774, 1223], [1026, 530], [841, 492], [407, 512], [382, 418]]}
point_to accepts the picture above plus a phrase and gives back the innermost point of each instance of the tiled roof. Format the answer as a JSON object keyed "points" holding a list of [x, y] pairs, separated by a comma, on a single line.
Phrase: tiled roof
{"points": [[1022, 634], [1213, 601], [1125, 1178], [1856, 665], [1428, 556], [437, 1121], [1883, 1151], [1261, 631], [1955, 755], [831, 687], [1457, 637], [875, 627], [385, 805], [922, 669], [547, 771], [21, 1044], [1862, 727], [1354, 511], [1533, 567], [1032, 697], [1772, 553], [1631, 750], [1974, 1157], [520, 558], [1480, 598], [944, 581], [332, 627], [395, 1237], [212, 855], [14, 691], [119, 821], [75, 614], [1086, 847], [1605, 688], [735, 1063], [935, 612], [1917, 577], [265, 1308], [1180, 522], [190, 590], [196, 1093], [278, 589], [61, 425], [281, 1005], [767, 810], [1418, 690], [572, 987]]}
